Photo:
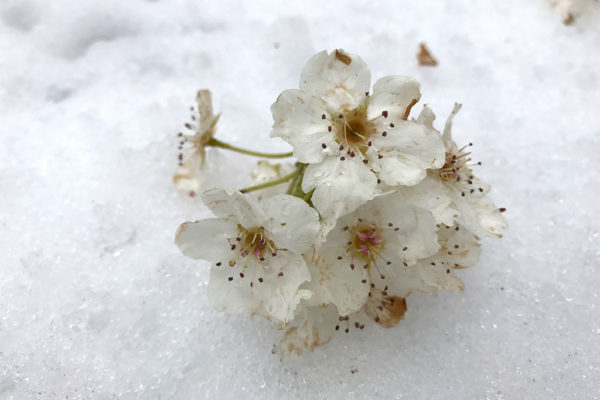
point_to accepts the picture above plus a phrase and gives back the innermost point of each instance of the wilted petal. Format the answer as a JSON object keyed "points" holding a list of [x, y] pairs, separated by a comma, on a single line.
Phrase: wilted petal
{"points": [[191, 175], [460, 247], [480, 215], [447, 135], [316, 328]]}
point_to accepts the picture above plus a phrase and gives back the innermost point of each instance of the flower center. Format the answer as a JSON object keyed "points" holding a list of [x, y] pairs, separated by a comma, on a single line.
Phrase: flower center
{"points": [[251, 243], [458, 173], [455, 166], [366, 243], [353, 130]]}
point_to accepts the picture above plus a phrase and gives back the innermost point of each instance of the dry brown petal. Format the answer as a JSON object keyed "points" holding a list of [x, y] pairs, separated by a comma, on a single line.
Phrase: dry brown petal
{"points": [[424, 56]]}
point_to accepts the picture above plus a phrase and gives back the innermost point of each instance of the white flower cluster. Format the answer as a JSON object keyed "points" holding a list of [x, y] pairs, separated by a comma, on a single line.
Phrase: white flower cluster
{"points": [[377, 206]]}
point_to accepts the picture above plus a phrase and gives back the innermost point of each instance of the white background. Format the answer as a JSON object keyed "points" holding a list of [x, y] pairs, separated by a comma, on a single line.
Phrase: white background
{"points": [[97, 303]]}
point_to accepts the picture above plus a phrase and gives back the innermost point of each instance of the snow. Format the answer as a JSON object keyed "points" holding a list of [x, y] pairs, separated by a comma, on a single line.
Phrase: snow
{"points": [[97, 302]]}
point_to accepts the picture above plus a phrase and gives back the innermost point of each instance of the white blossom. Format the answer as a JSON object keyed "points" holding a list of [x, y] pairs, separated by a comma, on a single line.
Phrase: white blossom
{"points": [[191, 172], [256, 252], [368, 245], [468, 194], [386, 301], [377, 207], [353, 140]]}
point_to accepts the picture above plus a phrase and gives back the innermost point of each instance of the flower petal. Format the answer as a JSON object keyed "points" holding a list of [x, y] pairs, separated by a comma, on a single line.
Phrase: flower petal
{"points": [[447, 135], [293, 224], [233, 204], [429, 194], [320, 295], [228, 292], [394, 94], [386, 310], [316, 328], [460, 247], [346, 282], [206, 239], [426, 117], [407, 151], [280, 293], [436, 277], [339, 186], [205, 107], [298, 119], [191, 174], [340, 79], [413, 236], [480, 215]]}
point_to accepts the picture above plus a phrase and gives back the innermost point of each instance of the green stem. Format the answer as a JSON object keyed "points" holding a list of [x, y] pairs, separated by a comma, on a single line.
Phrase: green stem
{"points": [[294, 181], [271, 183], [296, 189], [217, 143]]}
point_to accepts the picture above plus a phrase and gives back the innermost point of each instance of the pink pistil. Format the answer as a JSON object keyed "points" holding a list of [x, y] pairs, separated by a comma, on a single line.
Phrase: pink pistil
{"points": [[257, 252], [362, 236], [364, 249]]}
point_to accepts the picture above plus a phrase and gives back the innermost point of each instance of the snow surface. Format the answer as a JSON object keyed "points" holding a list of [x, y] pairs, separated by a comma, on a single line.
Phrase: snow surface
{"points": [[97, 303]]}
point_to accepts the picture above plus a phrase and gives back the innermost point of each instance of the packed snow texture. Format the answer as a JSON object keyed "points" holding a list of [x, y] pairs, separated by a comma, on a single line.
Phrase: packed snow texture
{"points": [[96, 301]]}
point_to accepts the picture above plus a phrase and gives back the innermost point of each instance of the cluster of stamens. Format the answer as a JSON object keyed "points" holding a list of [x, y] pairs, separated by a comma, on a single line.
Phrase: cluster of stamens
{"points": [[353, 131], [184, 138], [249, 244], [457, 170], [365, 247]]}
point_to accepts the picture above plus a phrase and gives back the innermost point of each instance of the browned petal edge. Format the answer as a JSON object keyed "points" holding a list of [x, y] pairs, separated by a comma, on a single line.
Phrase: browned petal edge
{"points": [[308, 345], [181, 229], [179, 176], [291, 347], [395, 311], [458, 266], [410, 106], [343, 57], [280, 324], [424, 56]]}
